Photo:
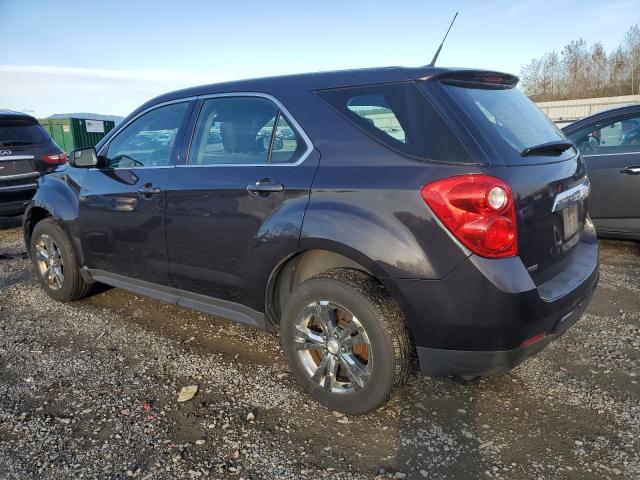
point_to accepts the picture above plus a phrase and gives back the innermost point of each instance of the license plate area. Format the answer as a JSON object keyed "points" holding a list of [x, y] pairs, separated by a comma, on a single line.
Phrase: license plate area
{"points": [[15, 167], [571, 220]]}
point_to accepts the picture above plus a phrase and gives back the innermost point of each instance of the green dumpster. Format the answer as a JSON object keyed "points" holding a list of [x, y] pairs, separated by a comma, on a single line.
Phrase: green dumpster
{"points": [[72, 133]]}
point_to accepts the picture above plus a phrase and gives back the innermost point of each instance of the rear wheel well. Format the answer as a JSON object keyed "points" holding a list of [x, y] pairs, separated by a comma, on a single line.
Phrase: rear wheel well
{"points": [[36, 214], [299, 268]]}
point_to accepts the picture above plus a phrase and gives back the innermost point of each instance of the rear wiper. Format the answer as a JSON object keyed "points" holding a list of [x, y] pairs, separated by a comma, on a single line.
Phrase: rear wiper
{"points": [[556, 148], [14, 143]]}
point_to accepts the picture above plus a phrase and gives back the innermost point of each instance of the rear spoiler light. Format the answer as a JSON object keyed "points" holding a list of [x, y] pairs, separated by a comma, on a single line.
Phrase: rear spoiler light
{"points": [[476, 78]]}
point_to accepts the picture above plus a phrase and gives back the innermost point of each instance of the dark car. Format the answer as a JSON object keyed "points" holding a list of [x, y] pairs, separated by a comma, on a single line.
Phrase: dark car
{"points": [[610, 145], [26, 152], [415, 210]]}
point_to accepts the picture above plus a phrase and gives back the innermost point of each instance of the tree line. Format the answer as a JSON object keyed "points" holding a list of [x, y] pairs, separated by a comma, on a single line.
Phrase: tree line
{"points": [[579, 71]]}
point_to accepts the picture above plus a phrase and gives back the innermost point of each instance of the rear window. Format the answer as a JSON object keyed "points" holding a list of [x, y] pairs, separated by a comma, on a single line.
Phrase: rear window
{"points": [[508, 120], [15, 132], [401, 117]]}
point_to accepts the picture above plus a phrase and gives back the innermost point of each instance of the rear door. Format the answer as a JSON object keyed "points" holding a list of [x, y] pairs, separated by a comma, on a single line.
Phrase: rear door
{"points": [[235, 208], [122, 203], [611, 149]]}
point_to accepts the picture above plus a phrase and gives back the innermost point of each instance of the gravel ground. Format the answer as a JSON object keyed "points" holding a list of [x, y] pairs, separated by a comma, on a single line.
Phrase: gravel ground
{"points": [[89, 390]]}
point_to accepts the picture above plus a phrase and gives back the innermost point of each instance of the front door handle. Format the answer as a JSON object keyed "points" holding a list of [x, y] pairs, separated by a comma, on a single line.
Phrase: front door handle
{"points": [[265, 185], [635, 170], [147, 190]]}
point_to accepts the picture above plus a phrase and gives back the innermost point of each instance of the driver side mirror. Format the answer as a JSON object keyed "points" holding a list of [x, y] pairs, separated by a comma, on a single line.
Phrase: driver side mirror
{"points": [[84, 158]]}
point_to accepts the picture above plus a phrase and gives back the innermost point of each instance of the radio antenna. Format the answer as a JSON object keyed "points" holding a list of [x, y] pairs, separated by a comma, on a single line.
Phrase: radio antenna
{"points": [[435, 57]]}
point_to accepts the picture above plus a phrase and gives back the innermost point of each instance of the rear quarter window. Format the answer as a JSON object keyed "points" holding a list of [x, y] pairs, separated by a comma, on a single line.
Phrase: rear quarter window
{"points": [[401, 117]]}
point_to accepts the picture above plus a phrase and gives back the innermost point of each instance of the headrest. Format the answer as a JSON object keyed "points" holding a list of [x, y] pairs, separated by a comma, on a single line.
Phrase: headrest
{"points": [[238, 135]]}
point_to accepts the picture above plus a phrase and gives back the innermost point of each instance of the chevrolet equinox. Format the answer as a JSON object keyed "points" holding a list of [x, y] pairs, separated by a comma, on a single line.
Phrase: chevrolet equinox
{"points": [[372, 216]]}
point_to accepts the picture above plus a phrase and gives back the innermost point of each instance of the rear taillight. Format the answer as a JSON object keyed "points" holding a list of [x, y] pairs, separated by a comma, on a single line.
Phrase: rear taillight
{"points": [[479, 210], [55, 158]]}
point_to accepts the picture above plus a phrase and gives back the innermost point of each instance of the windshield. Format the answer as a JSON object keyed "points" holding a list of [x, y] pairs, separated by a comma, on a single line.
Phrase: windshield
{"points": [[16, 132], [508, 120]]}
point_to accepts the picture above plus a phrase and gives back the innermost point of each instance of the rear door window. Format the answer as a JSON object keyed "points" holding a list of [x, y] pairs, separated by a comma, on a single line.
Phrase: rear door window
{"points": [[243, 130], [287, 146], [401, 117]]}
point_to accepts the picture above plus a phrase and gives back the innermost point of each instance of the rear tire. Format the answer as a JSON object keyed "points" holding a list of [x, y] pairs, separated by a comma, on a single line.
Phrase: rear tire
{"points": [[55, 263], [355, 367]]}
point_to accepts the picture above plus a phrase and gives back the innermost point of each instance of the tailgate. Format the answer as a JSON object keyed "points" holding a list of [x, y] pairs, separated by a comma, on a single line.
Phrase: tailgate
{"points": [[551, 212], [520, 145]]}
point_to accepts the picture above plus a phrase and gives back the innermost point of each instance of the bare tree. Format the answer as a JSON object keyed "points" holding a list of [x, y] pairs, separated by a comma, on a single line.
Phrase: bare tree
{"points": [[580, 71]]}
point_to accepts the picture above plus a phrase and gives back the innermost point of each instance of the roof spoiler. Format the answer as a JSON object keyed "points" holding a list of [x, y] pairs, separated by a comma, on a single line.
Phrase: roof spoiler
{"points": [[475, 78]]}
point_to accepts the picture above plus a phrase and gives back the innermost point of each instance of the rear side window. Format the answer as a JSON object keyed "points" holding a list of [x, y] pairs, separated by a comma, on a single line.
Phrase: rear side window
{"points": [[401, 117], [375, 110], [15, 132]]}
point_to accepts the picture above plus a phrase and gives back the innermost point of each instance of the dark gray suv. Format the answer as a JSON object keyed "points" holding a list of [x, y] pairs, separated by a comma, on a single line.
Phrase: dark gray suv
{"points": [[372, 216], [26, 152]]}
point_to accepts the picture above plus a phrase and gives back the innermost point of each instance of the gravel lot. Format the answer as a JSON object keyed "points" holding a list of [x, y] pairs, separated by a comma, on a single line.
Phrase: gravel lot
{"points": [[89, 390]]}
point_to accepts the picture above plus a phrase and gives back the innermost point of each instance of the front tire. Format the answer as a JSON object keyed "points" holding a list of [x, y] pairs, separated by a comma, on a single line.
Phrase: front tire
{"points": [[345, 340], [55, 262]]}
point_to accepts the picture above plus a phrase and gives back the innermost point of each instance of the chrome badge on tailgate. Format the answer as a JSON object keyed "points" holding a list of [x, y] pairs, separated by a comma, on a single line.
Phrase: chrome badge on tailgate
{"points": [[571, 196]]}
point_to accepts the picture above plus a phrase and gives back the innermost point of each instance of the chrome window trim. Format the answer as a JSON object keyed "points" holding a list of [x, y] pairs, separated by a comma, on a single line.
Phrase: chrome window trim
{"points": [[132, 168], [609, 154], [290, 119], [8, 158], [575, 194]]}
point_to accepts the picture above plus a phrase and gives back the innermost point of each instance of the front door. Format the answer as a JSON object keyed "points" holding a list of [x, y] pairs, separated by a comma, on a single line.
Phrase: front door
{"points": [[611, 150], [235, 209], [122, 203]]}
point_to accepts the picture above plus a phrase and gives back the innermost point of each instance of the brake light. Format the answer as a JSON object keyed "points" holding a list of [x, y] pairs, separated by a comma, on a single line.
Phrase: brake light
{"points": [[55, 158], [479, 210]]}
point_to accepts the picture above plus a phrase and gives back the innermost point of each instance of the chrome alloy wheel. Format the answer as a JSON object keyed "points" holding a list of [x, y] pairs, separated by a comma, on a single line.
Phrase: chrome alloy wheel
{"points": [[333, 347], [49, 261]]}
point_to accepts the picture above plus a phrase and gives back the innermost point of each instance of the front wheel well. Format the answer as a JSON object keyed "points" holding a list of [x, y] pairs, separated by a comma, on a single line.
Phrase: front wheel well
{"points": [[299, 268], [33, 217]]}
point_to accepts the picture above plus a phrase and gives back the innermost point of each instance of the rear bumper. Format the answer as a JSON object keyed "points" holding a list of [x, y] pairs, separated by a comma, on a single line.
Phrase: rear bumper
{"points": [[477, 319], [15, 195], [14, 207], [14, 199], [439, 363]]}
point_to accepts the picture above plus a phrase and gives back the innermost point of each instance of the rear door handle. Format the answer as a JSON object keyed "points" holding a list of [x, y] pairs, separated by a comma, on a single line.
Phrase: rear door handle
{"points": [[265, 185], [148, 189], [635, 170]]}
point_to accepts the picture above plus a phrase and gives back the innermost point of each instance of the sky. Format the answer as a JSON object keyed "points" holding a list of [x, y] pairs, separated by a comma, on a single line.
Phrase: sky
{"points": [[109, 56]]}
